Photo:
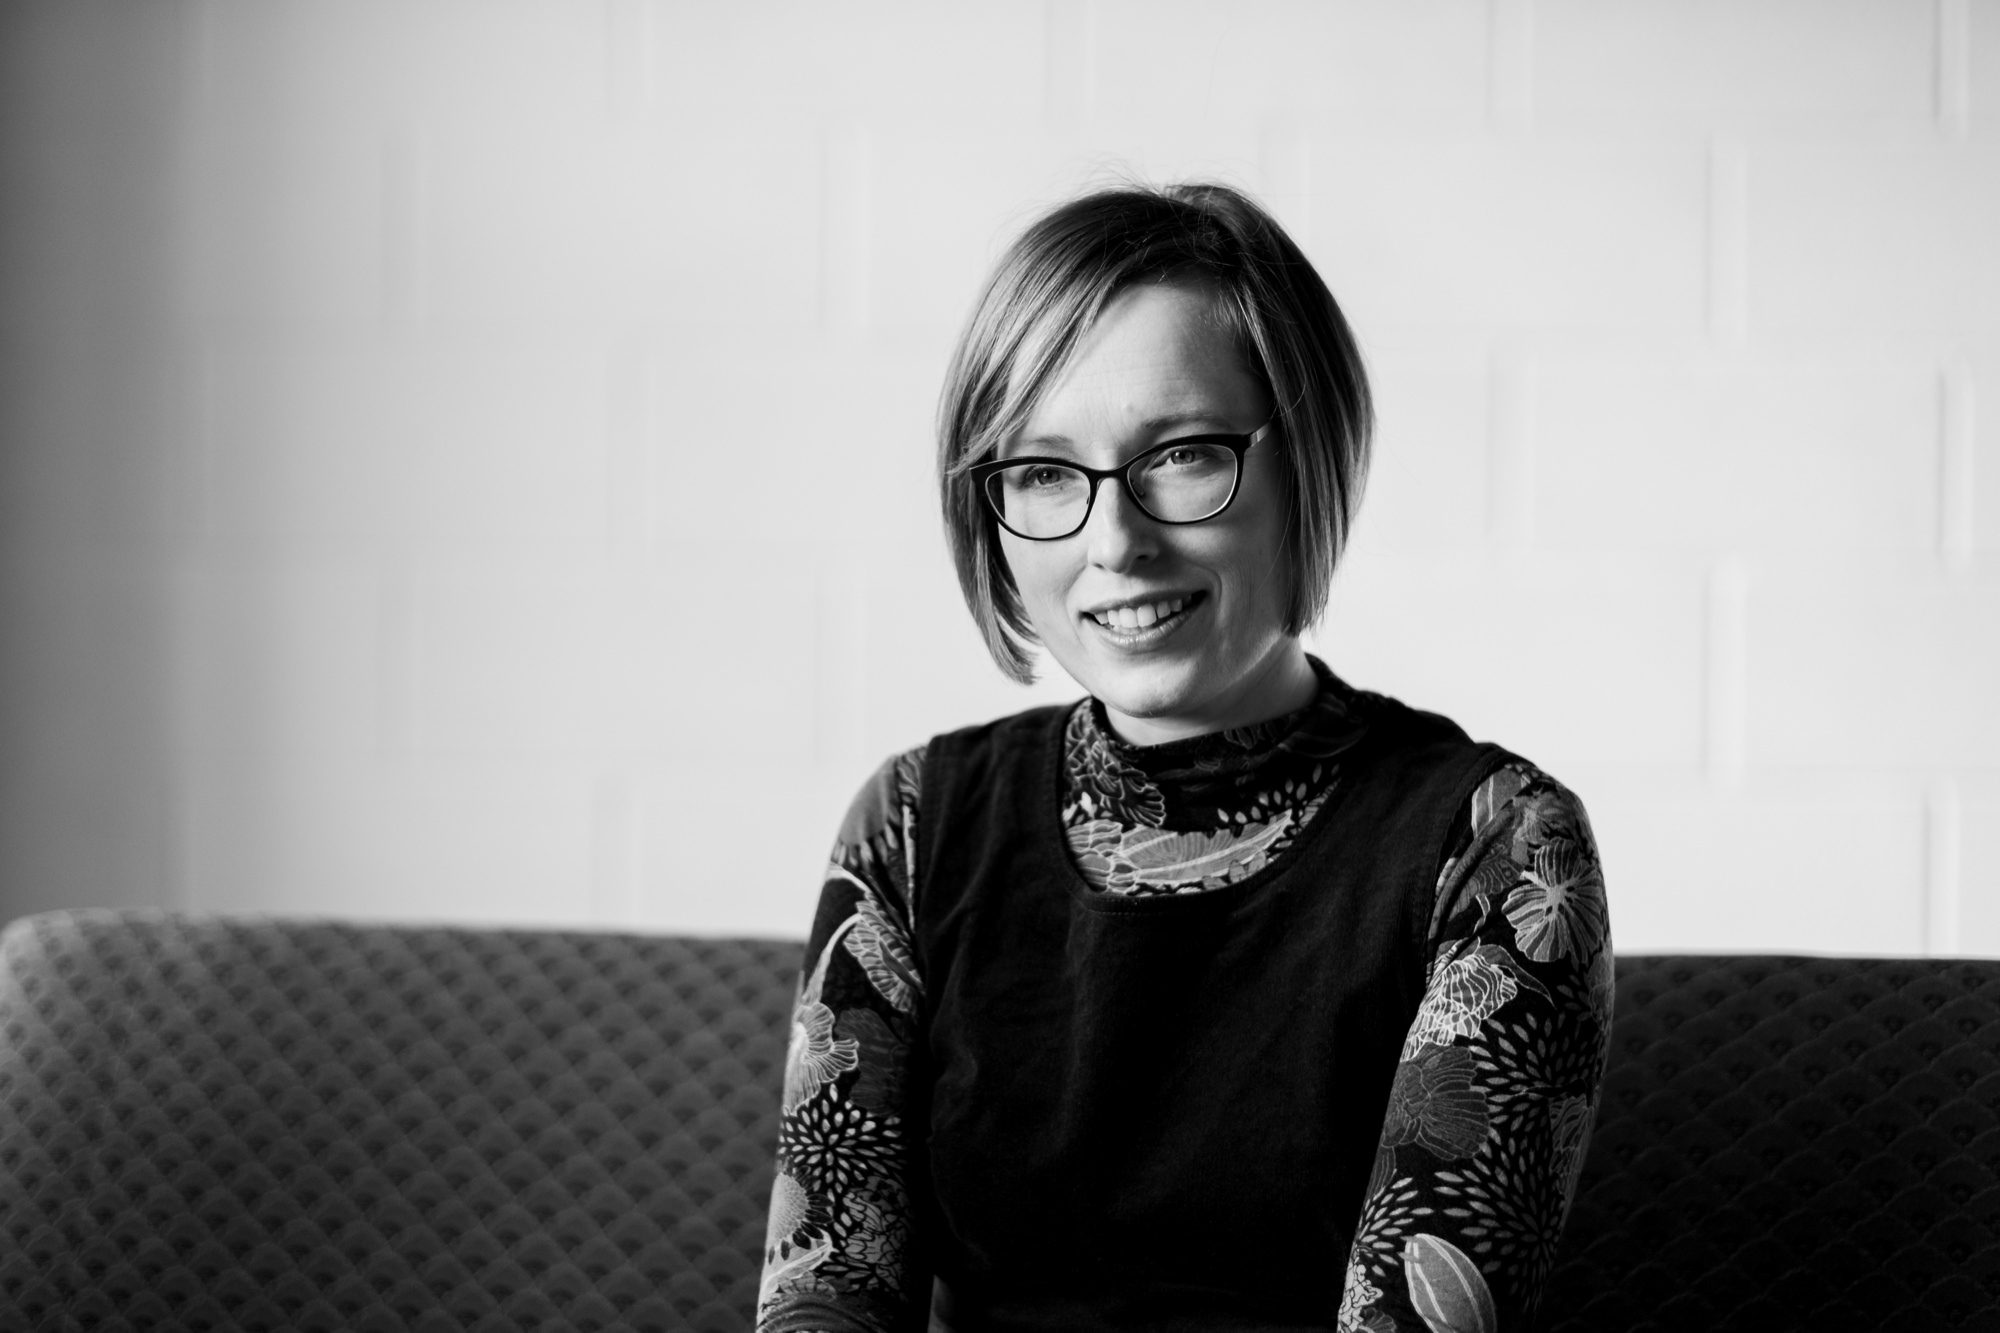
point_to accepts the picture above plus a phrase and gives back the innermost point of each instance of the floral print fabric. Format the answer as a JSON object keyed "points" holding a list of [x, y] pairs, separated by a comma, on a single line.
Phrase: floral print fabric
{"points": [[1489, 1111], [1199, 813]]}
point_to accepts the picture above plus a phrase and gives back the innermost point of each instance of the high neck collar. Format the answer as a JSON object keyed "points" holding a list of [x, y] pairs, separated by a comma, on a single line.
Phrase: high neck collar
{"points": [[1188, 783], [1249, 790]]}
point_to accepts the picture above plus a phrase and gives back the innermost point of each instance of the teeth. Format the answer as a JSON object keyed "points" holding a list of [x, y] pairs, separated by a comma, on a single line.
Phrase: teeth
{"points": [[1139, 617]]}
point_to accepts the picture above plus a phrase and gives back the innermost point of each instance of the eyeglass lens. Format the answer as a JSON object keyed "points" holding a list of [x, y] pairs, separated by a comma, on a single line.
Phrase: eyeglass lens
{"points": [[1183, 484]]}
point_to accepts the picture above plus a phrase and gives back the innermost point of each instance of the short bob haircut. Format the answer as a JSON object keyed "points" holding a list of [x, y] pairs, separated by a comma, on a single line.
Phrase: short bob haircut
{"points": [[1045, 295]]}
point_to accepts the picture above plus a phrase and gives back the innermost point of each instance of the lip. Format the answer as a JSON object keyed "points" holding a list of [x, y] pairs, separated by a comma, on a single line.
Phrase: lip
{"points": [[1146, 637]]}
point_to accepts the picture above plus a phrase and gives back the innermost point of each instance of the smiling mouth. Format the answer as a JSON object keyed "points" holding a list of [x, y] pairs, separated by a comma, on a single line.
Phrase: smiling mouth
{"points": [[1148, 615]]}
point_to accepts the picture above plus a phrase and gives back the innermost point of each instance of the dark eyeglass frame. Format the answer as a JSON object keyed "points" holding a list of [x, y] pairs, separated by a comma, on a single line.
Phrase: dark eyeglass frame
{"points": [[981, 474]]}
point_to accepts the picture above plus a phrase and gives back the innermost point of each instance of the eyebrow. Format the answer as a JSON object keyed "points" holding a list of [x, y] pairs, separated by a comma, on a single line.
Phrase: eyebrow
{"points": [[1151, 425]]}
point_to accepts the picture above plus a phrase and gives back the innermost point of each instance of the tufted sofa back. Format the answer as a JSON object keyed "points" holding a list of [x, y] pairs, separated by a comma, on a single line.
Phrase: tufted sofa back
{"points": [[1792, 1143], [230, 1124], [214, 1124]]}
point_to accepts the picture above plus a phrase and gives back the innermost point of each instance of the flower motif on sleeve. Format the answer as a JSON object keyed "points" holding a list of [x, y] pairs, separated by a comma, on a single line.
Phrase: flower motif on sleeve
{"points": [[790, 1271], [1466, 992], [878, 1234], [836, 1254], [1570, 1128], [1433, 1103], [1558, 909], [796, 1241], [798, 1218], [1357, 1293], [1493, 794], [879, 945], [1545, 814], [832, 1145], [815, 1056], [1447, 1288]]}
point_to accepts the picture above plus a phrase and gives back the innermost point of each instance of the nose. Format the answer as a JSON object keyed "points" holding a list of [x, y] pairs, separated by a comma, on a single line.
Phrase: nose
{"points": [[1119, 533]]}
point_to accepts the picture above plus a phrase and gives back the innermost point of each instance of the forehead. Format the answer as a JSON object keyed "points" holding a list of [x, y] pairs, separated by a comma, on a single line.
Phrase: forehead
{"points": [[1156, 352]]}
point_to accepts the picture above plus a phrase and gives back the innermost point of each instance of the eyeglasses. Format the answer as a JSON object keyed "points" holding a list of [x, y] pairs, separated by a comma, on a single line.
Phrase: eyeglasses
{"points": [[1180, 481]]}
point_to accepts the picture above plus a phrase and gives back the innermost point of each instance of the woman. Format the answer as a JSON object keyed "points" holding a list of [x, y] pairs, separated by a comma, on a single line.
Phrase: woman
{"points": [[1232, 996]]}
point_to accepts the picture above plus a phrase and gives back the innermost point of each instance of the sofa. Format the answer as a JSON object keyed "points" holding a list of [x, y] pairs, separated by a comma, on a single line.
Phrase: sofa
{"points": [[235, 1124]]}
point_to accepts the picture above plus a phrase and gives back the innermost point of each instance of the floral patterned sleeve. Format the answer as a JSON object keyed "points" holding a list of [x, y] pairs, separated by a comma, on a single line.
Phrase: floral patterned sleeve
{"points": [[1491, 1105], [838, 1253]]}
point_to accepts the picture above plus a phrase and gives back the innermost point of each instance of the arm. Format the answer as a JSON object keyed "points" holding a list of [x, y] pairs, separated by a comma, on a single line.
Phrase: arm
{"points": [[838, 1252], [1490, 1110]]}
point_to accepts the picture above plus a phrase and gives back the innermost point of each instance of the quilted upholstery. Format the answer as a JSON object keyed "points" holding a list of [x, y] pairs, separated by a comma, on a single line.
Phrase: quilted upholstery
{"points": [[263, 1125], [266, 1125], [1792, 1143]]}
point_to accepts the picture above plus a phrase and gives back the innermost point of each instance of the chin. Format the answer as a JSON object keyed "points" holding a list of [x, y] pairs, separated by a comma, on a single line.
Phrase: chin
{"points": [[1160, 692]]}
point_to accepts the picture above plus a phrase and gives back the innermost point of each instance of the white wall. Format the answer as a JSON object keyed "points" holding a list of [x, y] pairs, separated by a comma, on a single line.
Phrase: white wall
{"points": [[469, 460]]}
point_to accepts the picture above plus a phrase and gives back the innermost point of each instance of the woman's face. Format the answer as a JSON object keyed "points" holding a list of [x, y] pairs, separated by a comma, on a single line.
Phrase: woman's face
{"points": [[1157, 366]]}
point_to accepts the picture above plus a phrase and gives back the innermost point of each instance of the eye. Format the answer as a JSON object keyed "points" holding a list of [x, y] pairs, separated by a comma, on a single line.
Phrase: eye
{"points": [[1039, 479], [1192, 456]]}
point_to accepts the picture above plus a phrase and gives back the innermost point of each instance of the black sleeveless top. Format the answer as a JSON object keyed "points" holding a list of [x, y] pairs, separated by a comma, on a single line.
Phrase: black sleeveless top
{"points": [[1162, 1112]]}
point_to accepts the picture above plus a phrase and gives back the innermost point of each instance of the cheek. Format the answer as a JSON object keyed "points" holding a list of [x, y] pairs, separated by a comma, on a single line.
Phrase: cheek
{"points": [[1261, 557], [1039, 580], [1258, 573]]}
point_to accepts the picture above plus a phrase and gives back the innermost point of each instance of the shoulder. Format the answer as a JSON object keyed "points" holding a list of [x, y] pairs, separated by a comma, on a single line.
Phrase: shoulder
{"points": [[875, 850], [886, 798], [1496, 797], [894, 791], [880, 836], [1523, 843], [1421, 763], [1529, 809], [974, 762], [1390, 719]]}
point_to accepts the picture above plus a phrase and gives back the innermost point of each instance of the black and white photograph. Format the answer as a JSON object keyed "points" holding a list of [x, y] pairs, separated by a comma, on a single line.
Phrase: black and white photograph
{"points": [[989, 666]]}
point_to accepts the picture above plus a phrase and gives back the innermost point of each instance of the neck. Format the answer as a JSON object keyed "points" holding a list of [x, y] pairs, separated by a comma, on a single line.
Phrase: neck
{"points": [[1284, 683]]}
